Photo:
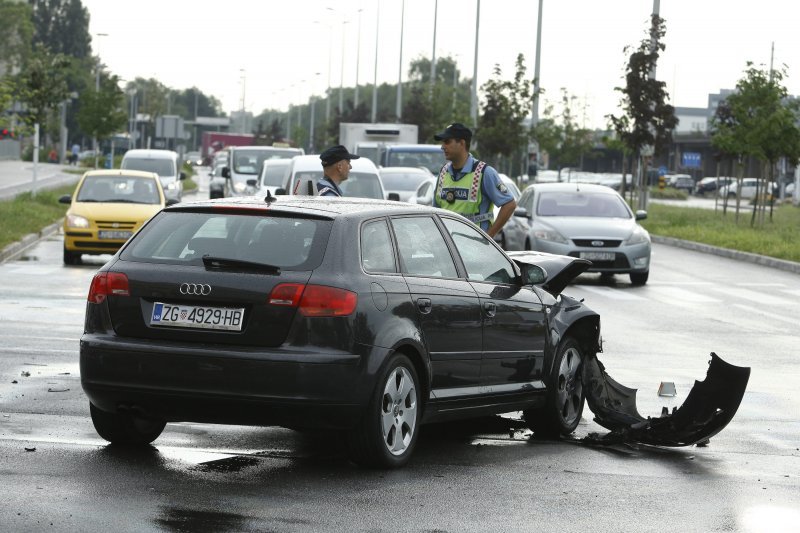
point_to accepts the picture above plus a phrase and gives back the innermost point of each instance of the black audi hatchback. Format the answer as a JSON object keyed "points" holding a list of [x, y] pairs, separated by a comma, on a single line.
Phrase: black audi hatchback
{"points": [[362, 316]]}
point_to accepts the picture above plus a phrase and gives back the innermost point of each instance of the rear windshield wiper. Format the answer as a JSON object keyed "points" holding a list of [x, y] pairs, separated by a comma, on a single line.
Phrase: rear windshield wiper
{"points": [[223, 262]]}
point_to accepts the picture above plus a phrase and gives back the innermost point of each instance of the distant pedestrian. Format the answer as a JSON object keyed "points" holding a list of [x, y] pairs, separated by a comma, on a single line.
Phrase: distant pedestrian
{"points": [[336, 166], [76, 148], [52, 156], [470, 187]]}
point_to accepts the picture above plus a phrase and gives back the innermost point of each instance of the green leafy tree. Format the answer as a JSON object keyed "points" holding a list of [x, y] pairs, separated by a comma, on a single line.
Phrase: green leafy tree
{"points": [[647, 120], [62, 26], [500, 130], [560, 136], [42, 83], [101, 112], [432, 108], [16, 29], [759, 120]]}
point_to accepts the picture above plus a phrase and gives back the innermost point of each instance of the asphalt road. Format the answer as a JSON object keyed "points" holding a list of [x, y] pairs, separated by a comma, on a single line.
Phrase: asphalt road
{"points": [[485, 475]]}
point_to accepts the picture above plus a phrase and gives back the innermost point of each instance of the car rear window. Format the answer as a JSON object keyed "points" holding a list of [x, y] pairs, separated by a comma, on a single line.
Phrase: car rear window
{"points": [[162, 167], [183, 237]]}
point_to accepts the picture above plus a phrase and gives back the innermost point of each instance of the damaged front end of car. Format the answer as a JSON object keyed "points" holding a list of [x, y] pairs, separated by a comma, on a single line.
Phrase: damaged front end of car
{"points": [[709, 407]]}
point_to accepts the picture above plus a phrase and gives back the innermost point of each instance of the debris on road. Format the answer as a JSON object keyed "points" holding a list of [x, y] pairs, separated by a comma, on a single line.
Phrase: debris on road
{"points": [[667, 388], [709, 407], [15, 382], [25, 374], [30, 449], [56, 390]]}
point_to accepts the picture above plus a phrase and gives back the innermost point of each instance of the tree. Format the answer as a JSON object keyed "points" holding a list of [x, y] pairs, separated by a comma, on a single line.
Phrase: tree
{"points": [[500, 128], [42, 84], [17, 31], [62, 26], [647, 120], [432, 108], [759, 120], [560, 135], [101, 113]]}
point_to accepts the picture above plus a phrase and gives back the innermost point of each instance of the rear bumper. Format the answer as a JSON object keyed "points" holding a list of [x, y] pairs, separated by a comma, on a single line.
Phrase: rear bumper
{"points": [[226, 385]]}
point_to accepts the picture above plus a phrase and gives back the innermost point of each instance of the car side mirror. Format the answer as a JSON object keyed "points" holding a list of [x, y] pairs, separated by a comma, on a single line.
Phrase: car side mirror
{"points": [[226, 172], [280, 190], [66, 199], [521, 212], [393, 196], [171, 201], [252, 182], [641, 214], [533, 275], [183, 175]]}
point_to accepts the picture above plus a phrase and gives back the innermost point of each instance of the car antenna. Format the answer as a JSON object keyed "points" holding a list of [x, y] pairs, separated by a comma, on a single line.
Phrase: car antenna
{"points": [[269, 198]]}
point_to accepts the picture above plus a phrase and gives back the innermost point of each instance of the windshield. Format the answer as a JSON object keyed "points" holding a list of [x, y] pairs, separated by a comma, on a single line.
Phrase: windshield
{"points": [[403, 181], [122, 189], [579, 204], [272, 175], [250, 161], [162, 167], [433, 160], [358, 185], [370, 152], [181, 237]]}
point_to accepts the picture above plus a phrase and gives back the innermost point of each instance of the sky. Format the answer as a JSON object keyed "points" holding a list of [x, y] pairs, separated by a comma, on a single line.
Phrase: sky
{"points": [[270, 54]]}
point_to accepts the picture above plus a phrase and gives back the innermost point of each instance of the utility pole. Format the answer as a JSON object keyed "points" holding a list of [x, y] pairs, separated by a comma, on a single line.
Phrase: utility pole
{"points": [[474, 101], [375, 74], [433, 53], [399, 103], [533, 147]]}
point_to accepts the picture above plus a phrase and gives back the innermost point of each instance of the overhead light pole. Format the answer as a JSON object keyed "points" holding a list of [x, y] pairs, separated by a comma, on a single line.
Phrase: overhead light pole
{"points": [[358, 56], [375, 74], [433, 53], [474, 101], [99, 66], [399, 103], [341, 74]]}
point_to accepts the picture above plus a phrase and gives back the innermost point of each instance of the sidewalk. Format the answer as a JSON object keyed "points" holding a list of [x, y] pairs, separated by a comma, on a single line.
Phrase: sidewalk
{"points": [[17, 177]]}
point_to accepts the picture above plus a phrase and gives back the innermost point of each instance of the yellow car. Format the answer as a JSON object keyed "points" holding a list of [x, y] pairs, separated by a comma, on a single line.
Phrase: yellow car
{"points": [[107, 208]]}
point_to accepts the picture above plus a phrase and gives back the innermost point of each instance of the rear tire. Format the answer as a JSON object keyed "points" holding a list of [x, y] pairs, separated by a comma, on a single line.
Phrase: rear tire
{"points": [[565, 394], [125, 428], [639, 278], [387, 434], [72, 258]]}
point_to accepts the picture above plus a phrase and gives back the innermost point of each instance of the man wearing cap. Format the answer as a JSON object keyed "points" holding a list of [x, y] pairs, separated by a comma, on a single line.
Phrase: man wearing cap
{"points": [[336, 165], [470, 187]]}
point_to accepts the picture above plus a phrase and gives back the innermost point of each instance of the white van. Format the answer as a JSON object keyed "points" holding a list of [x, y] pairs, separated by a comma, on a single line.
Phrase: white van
{"points": [[245, 164], [165, 163], [305, 171]]}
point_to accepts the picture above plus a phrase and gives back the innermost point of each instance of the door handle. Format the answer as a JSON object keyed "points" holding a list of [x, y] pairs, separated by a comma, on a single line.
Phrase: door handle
{"points": [[424, 305], [490, 308]]}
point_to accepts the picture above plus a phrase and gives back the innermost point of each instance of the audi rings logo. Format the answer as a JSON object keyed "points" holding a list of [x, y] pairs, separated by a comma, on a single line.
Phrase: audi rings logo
{"points": [[198, 289]]}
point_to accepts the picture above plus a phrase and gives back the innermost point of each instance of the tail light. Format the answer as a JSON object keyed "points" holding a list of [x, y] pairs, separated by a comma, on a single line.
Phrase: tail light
{"points": [[108, 283], [314, 300]]}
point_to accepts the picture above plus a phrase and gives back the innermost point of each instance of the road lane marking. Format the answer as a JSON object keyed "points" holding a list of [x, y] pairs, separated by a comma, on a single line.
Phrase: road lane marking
{"points": [[759, 297], [679, 296], [612, 294], [773, 316]]}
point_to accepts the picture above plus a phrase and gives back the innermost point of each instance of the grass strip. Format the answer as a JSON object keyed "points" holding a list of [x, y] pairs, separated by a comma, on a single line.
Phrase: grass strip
{"points": [[26, 214]]}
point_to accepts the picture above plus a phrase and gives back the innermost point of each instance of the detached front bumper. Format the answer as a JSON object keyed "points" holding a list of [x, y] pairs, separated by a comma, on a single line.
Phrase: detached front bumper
{"points": [[709, 407]]}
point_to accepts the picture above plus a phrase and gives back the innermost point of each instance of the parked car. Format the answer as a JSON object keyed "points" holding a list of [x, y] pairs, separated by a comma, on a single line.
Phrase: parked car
{"points": [[748, 188], [273, 172], [403, 180], [591, 222], [165, 163], [305, 171], [240, 175], [682, 182], [710, 184], [515, 232], [108, 206], [372, 317]]}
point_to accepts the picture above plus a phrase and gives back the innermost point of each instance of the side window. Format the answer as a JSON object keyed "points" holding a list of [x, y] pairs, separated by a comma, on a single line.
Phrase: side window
{"points": [[482, 260], [422, 248], [376, 247]]}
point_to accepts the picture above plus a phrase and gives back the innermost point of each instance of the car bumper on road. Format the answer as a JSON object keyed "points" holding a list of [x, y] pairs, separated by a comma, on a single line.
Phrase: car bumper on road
{"points": [[217, 384]]}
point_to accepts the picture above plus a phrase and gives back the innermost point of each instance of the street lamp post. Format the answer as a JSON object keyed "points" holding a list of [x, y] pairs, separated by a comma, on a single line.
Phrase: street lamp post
{"points": [[97, 90], [474, 101], [375, 74], [358, 56], [433, 53], [341, 76], [399, 103]]}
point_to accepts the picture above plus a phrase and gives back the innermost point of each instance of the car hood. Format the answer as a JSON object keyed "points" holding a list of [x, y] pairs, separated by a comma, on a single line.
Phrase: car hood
{"points": [[560, 270], [589, 227], [118, 212]]}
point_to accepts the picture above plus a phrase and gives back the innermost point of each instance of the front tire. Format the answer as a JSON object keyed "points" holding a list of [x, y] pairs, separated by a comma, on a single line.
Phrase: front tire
{"points": [[565, 394], [125, 428], [639, 278], [71, 258], [387, 434]]}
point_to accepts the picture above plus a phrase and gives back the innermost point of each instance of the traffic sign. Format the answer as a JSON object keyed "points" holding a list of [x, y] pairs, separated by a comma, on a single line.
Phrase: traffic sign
{"points": [[691, 160]]}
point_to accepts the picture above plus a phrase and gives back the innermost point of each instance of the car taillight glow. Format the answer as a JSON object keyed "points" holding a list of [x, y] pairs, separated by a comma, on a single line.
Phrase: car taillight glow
{"points": [[327, 301], [314, 300], [108, 283], [287, 294]]}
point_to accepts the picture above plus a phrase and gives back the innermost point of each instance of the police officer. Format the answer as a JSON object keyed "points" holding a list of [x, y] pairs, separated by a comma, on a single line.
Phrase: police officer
{"points": [[470, 187], [336, 165]]}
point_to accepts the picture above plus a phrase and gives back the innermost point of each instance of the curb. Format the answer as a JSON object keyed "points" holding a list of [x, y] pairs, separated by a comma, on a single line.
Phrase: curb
{"points": [[16, 249], [747, 257]]}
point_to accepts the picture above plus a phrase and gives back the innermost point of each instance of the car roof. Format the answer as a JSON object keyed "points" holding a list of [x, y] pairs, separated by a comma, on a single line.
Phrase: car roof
{"points": [[425, 147], [414, 170], [319, 206], [261, 148], [122, 172], [151, 154], [573, 187], [303, 163]]}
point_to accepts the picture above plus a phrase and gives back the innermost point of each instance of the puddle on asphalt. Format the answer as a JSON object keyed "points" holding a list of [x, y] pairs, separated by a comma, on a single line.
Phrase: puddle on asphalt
{"points": [[228, 465], [27, 258], [172, 519]]}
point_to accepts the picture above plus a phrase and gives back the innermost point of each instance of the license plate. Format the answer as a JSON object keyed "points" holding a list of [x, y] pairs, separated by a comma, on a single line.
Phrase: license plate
{"points": [[114, 234], [598, 256], [192, 316]]}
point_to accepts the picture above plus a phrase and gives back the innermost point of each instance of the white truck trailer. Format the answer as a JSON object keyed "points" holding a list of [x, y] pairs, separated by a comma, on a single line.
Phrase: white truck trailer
{"points": [[366, 139]]}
